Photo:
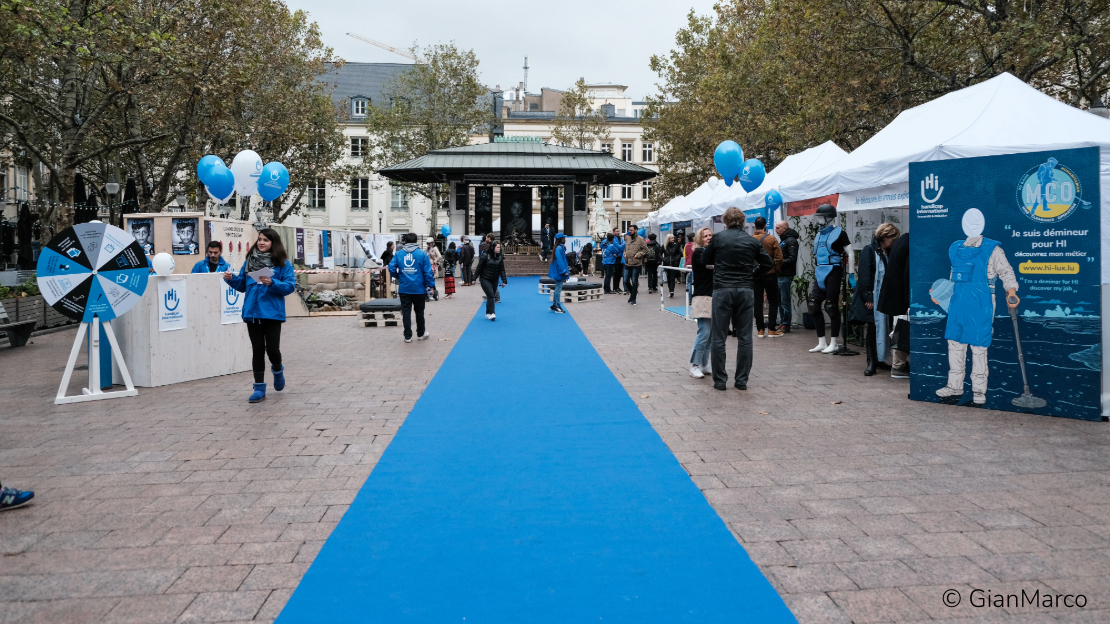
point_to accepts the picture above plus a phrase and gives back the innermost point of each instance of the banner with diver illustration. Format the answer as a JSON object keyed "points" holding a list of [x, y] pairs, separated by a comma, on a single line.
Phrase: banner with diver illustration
{"points": [[1004, 267]]}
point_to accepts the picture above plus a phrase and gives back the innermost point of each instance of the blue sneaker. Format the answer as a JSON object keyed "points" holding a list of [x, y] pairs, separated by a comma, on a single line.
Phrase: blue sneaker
{"points": [[279, 379], [259, 393], [11, 498]]}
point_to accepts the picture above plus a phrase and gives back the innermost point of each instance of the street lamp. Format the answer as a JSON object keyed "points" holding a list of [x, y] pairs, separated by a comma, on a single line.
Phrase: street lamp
{"points": [[381, 215], [181, 201], [112, 189], [617, 210]]}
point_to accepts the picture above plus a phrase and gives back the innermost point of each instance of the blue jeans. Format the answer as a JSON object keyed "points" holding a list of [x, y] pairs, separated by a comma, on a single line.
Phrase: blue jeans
{"points": [[784, 300], [700, 356], [632, 282], [556, 299], [608, 268]]}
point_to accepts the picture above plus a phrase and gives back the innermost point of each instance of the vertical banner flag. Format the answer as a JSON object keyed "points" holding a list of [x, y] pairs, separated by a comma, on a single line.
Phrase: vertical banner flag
{"points": [[300, 244], [1005, 270], [311, 247], [231, 304], [172, 303]]}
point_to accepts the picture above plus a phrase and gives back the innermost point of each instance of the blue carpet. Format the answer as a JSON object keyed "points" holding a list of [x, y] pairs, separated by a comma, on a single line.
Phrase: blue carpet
{"points": [[679, 310], [526, 486]]}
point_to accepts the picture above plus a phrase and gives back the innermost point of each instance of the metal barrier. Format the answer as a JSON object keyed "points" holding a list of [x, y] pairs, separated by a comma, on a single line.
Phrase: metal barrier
{"points": [[686, 291]]}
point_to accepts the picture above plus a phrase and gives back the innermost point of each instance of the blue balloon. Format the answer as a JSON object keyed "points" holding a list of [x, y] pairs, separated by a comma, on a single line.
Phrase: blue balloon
{"points": [[445, 230], [206, 165], [221, 182], [772, 200], [273, 181], [729, 159], [642, 233], [752, 174]]}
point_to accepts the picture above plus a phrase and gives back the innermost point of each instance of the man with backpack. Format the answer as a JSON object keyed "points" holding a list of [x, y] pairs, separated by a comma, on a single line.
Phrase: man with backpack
{"points": [[413, 270], [651, 263], [789, 247], [767, 283]]}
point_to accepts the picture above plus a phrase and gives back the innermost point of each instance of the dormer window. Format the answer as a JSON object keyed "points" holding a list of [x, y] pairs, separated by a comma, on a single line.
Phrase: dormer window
{"points": [[358, 107]]}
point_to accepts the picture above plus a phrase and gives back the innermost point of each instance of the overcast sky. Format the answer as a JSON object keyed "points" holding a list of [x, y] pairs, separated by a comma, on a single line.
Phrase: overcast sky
{"points": [[564, 40]]}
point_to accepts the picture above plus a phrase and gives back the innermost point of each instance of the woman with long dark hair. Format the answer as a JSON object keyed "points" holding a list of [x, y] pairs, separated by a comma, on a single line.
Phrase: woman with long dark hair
{"points": [[264, 306], [491, 267]]}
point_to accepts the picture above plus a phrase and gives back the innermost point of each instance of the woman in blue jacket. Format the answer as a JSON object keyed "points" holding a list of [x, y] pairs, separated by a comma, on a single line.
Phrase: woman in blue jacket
{"points": [[264, 306], [559, 271]]}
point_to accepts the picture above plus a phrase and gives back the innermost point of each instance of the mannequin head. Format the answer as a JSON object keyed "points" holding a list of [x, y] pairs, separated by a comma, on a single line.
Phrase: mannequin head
{"points": [[973, 223], [826, 213]]}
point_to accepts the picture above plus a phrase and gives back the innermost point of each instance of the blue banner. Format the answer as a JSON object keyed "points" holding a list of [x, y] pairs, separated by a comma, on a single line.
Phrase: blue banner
{"points": [[1005, 270]]}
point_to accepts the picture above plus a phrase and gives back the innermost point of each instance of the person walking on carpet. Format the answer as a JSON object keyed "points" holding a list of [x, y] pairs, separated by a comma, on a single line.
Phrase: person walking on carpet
{"points": [[491, 267], [738, 260], [264, 306], [415, 276], [701, 305], [559, 271]]}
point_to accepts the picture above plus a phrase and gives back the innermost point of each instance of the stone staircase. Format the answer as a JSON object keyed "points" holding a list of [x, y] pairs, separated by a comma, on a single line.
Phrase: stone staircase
{"points": [[524, 265]]}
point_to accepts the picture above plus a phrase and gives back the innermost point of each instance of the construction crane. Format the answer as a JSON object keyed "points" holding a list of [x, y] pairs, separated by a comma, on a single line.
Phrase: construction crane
{"points": [[397, 51]]}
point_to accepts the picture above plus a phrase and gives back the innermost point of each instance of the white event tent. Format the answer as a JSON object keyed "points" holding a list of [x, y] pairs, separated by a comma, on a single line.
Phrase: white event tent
{"points": [[794, 167]]}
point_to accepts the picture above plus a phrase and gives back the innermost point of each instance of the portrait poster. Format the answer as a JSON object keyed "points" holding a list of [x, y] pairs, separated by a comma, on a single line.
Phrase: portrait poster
{"points": [[1005, 306], [186, 236], [142, 230], [483, 210], [516, 214], [549, 207]]}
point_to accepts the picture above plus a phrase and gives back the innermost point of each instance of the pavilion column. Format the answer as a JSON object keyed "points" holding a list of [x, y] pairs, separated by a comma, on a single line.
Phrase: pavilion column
{"points": [[568, 209], [460, 208]]}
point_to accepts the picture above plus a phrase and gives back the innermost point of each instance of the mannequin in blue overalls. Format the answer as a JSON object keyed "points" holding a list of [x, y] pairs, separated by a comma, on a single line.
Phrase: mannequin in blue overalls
{"points": [[976, 262], [830, 248]]}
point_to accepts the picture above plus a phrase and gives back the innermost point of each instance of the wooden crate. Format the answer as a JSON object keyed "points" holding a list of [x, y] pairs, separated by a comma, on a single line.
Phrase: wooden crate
{"points": [[580, 296], [380, 319]]}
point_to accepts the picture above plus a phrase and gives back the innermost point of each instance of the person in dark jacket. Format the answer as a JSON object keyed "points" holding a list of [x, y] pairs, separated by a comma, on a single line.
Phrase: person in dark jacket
{"points": [[545, 241], [672, 255], [387, 255], [737, 260], [788, 242], [559, 270], [213, 261], [869, 281], [586, 257], [491, 267], [450, 258], [415, 275], [651, 263], [466, 258], [894, 301], [264, 306], [701, 305]]}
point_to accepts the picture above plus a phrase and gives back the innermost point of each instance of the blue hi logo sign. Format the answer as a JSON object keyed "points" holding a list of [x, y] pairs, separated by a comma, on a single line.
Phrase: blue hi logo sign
{"points": [[171, 298], [231, 296]]}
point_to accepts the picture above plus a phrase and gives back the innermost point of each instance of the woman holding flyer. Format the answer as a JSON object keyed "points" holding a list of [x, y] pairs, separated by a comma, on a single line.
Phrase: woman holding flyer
{"points": [[266, 278]]}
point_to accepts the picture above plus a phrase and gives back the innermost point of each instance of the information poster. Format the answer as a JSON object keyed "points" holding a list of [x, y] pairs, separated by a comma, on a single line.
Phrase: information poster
{"points": [[172, 304], [576, 243], [1005, 270], [311, 247], [300, 244], [236, 239], [231, 305]]}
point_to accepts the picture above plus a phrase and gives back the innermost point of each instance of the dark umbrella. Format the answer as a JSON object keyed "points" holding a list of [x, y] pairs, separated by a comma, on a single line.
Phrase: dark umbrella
{"points": [[92, 206], [80, 198], [23, 233], [130, 197]]}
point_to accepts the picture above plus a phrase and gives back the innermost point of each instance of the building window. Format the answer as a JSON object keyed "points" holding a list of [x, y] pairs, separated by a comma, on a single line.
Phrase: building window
{"points": [[317, 191], [360, 194], [607, 147], [358, 107], [645, 190], [607, 192], [626, 191], [649, 152], [626, 152], [398, 199], [625, 225], [358, 147], [3, 186], [21, 188]]}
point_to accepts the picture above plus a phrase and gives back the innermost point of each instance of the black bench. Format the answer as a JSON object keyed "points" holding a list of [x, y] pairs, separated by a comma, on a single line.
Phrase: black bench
{"points": [[380, 305], [18, 332]]}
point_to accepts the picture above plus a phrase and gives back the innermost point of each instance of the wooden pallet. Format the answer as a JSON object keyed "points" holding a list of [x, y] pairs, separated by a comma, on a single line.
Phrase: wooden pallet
{"points": [[379, 319], [545, 289], [580, 296]]}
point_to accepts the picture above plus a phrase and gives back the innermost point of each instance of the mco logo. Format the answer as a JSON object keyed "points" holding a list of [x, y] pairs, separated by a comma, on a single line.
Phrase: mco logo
{"points": [[1049, 192]]}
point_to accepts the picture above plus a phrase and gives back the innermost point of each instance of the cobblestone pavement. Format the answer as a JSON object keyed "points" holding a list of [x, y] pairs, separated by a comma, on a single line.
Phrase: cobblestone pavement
{"points": [[187, 504], [860, 505]]}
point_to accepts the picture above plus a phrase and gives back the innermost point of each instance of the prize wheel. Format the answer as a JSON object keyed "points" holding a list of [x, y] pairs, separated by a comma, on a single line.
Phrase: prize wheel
{"points": [[92, 269]]}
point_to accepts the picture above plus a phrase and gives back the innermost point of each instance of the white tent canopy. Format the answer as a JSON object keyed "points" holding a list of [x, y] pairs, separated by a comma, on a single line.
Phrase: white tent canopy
{"points": [[794, 167], [1000, 116]]}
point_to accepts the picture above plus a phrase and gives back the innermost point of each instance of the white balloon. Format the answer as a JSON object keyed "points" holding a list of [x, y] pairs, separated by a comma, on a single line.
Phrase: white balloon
{"points": [[713, 182], [246, 167], [163, 264]]}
